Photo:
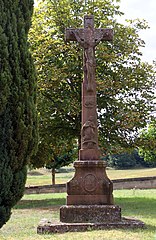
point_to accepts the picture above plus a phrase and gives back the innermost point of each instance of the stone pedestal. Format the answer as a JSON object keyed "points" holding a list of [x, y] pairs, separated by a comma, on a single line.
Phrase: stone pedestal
{"points": [[89, 195], [90, 214], [90, 204], [90, 185]]}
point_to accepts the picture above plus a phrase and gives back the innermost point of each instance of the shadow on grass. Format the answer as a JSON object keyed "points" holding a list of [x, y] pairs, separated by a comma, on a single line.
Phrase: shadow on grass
{"points": [[35, 173], [44, 203], [145, 207], [64, 170], [151, 227]]}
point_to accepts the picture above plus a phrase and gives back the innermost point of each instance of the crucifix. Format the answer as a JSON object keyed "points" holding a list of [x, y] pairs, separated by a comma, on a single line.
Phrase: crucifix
{"points": [[88, 38], [90, 184], [90, 201]]}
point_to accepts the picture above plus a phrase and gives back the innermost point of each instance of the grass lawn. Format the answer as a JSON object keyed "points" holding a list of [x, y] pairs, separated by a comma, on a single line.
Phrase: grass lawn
{"points": [[32, 208], [43, 176]]}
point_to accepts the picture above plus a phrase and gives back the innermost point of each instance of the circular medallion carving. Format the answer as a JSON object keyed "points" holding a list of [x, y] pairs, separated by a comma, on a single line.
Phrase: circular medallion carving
{"points": [[90, 183]]}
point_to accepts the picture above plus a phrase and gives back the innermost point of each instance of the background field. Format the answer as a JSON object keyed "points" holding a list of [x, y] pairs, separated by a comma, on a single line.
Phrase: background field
{"points": [[43, 176], [31, 209]]}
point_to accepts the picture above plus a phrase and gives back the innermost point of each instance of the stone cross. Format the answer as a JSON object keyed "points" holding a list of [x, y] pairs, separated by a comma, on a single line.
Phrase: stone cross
{"points": [[88, 38], [89, 202]]}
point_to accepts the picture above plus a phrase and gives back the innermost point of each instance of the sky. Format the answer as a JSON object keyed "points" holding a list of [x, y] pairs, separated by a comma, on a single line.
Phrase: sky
{"points": [[143, 9]]}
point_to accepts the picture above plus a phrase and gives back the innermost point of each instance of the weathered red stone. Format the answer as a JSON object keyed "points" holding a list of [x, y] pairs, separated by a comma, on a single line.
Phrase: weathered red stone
{"points": [[90, 184], [90, 213], [125, 223], [90, 203]]}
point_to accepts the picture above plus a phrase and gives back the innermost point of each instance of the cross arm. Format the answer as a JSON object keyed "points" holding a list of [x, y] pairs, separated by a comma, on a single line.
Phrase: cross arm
{"points": [[100, 34], [70, 36], [103, 35]]}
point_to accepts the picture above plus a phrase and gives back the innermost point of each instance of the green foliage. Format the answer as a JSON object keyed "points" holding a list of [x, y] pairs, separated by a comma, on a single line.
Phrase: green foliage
{"points": [[148, 146], [53, 153], [18, 118], [125, 84], [61, 161], [127, 160], [122, 161]]}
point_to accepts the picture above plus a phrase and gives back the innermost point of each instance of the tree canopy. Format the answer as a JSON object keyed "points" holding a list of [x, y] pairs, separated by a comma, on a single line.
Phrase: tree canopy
{"points": [[148, 146], [125, 84]]}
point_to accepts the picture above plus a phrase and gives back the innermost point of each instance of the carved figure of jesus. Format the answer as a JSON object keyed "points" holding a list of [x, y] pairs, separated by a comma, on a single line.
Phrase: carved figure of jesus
{"points": [[88, 43]]}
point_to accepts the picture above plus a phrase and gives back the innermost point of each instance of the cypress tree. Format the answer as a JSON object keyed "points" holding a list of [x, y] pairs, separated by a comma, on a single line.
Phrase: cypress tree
{"points": [[18, 116]]}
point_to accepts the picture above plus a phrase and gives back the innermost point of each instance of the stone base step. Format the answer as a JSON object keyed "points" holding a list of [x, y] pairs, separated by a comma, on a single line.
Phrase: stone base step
{"points": [[90, 213], [49, 227]]}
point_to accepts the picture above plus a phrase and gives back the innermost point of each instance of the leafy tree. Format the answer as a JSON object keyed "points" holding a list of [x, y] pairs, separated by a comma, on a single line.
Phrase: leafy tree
{"points": [[53, 153], [127, 160], [148, 146], [58, 162], [122, 161], [18, 118], [124, 83], [140, 162]]}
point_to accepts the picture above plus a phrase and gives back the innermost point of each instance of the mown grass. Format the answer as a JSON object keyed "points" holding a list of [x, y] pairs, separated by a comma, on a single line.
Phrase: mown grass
{"points": [[31, 209], [43, 176]]}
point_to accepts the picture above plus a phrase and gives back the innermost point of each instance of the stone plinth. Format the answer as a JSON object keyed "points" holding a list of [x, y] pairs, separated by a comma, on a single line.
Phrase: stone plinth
{"points": [[90, 213], [125, 223], [90, 185]]}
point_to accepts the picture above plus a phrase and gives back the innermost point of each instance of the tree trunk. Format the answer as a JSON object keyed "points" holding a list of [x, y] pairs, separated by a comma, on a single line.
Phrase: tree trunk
{"points": [[53, 176]]}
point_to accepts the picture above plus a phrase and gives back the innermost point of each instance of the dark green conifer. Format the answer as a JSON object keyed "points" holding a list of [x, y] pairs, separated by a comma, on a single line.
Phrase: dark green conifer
{"points": [[18, 117]]}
